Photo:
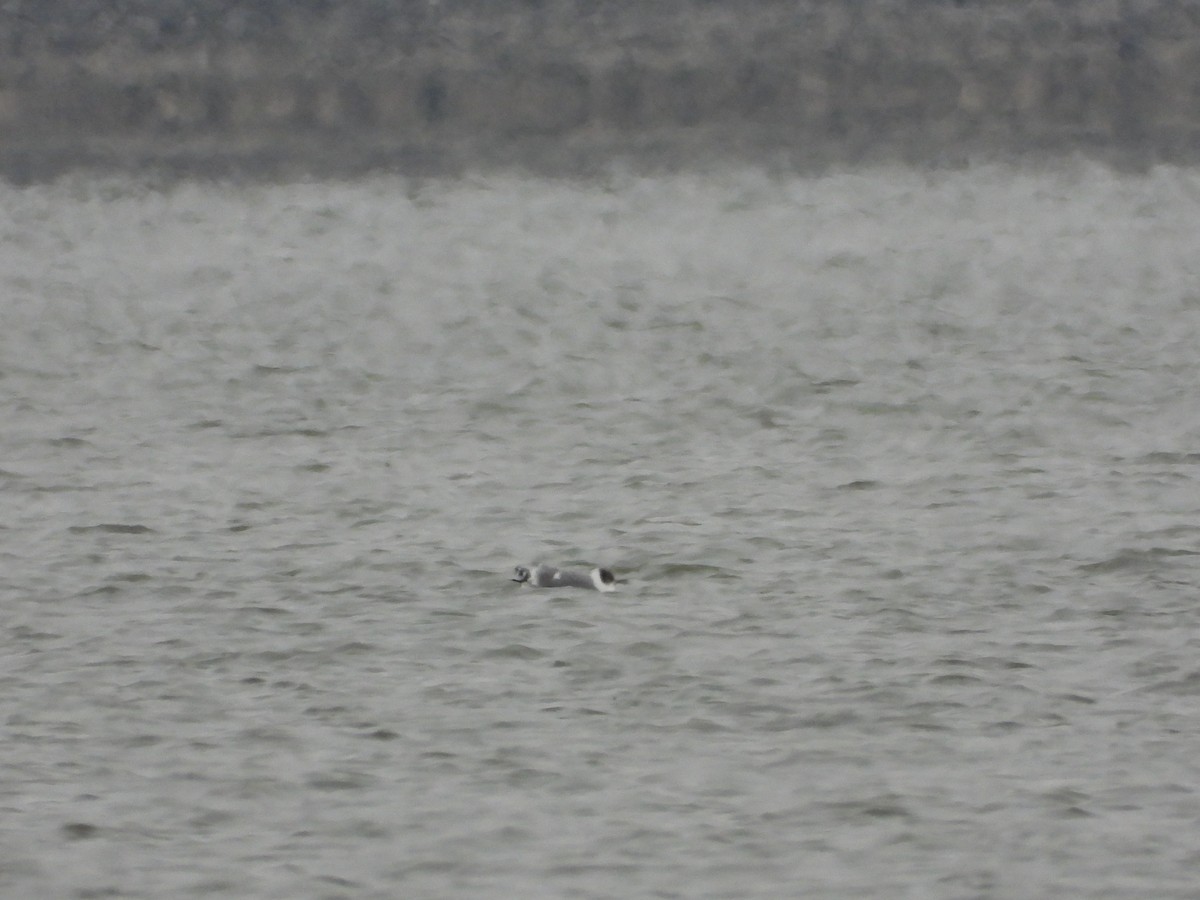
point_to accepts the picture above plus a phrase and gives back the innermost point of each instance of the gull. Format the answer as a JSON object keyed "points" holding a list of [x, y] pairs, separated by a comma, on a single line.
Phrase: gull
{"points": [[549, 577]]}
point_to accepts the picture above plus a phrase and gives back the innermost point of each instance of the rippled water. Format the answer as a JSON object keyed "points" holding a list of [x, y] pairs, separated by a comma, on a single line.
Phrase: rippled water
{"points": [[901, 468]]}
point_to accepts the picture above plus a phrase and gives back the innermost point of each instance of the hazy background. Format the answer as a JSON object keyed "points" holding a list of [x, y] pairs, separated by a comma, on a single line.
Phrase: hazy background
{"points": [[564, 87]]}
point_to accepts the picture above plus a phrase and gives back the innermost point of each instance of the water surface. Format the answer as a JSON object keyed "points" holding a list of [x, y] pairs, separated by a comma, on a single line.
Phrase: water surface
{"points": [[901, 468]]}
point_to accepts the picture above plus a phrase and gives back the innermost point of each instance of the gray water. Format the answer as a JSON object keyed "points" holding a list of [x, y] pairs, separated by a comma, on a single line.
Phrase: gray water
{"points": [[902, 472]]}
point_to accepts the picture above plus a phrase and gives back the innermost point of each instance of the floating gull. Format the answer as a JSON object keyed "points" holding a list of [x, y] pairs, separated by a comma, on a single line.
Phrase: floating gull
{"points": [[550, 577]]}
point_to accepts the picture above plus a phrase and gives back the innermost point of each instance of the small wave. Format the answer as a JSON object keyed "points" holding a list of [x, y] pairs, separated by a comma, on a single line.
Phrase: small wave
{"points": [[690, 569], [111, 528], [1174, 459], [514, 651], [1136, 560]]}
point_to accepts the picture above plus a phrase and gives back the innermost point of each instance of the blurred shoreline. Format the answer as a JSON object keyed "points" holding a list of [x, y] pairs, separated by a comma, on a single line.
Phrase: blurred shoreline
{"points": [[273, 89]]}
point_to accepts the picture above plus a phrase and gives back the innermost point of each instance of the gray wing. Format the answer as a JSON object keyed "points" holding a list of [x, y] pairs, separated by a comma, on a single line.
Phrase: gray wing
{"points": [[543, 576], [571, 578]]}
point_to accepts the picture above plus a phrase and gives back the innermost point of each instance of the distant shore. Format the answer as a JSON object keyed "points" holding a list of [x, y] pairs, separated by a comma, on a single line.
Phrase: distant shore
{"points": [[563, 87]]}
